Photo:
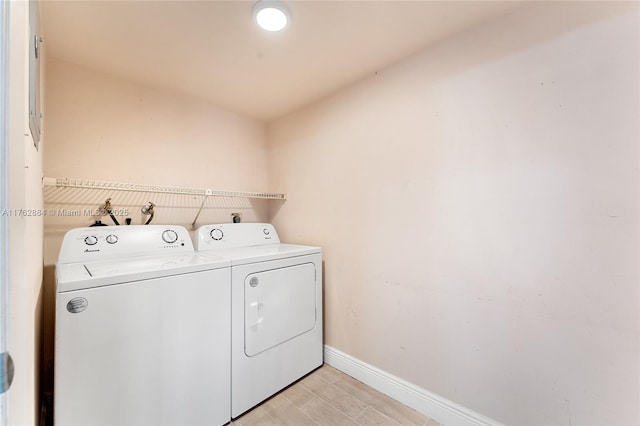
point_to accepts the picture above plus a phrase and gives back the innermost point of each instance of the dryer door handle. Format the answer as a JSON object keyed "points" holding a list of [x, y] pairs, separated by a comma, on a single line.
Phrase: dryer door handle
{"points": [[253, 315]]}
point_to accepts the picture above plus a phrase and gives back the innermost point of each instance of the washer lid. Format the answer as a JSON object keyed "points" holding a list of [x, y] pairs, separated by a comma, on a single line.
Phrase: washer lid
{"points": [[78, 276]]}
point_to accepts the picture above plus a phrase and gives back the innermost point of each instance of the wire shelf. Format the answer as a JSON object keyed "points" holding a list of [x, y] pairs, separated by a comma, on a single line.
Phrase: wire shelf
{"points": [[62, 193], [155, 189]]}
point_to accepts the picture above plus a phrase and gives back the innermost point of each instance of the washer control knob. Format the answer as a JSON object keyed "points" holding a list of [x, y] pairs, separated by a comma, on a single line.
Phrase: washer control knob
{"points": [[169, 236], [112, 239], [266, 231], [216, 234], [91, 240]]}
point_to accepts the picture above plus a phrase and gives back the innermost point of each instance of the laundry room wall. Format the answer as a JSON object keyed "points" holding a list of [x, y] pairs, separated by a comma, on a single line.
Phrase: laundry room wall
{"points": [[478, 209], [102, 127], [110, 129], [25, 227]]}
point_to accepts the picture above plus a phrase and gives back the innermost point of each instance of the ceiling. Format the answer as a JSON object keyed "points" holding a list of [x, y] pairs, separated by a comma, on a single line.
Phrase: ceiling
{"points": [[212, 49]]}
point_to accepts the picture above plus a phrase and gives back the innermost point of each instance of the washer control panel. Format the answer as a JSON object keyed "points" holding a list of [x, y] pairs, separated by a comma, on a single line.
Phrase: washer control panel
{"points": [[110, 242], [228, 235]]}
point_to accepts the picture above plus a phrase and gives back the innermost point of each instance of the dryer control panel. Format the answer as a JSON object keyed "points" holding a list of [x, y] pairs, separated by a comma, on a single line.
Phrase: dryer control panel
{"points": [[228, 235], [111, 242]]}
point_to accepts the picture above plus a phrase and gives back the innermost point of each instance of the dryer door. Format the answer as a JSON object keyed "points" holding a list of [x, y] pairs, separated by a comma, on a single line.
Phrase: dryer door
{"points": [[280, 304]]}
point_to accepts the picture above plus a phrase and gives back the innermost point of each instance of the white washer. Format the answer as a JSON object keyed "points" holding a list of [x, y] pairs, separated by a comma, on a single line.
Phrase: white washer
{"points": [[142, 329], [276, 309]]}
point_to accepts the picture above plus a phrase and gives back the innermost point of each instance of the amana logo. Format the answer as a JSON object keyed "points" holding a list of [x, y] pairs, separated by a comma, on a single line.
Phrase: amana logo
{"points": [[77, 305]]}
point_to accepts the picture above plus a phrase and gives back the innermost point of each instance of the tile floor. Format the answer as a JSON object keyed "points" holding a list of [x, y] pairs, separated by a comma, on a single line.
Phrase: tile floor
{"points": [[329, 397]]}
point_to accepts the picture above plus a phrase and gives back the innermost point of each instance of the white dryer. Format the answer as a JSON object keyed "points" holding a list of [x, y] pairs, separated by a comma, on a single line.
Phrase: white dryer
{"points": [[276, 309], [142, 329]]}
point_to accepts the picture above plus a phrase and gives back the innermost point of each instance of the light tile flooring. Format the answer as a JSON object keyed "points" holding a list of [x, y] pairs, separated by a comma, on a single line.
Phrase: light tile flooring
{"points": [[329, 397]]}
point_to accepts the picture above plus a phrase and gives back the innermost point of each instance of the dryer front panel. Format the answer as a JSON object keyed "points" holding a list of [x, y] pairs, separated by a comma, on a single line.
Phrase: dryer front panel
{"points": [[279, 305], [276, 326]]}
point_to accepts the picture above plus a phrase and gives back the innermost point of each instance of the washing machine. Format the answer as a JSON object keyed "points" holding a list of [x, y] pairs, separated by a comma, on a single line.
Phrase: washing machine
{"points": [[276, 308], [142, 333]]}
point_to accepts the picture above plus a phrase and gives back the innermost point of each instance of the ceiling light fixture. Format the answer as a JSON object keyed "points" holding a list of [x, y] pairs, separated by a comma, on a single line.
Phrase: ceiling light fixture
{"points": [[271, 15]]}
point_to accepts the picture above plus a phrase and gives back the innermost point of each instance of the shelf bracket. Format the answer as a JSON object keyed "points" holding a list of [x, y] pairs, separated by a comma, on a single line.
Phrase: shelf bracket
{"points": [[207, 194]]}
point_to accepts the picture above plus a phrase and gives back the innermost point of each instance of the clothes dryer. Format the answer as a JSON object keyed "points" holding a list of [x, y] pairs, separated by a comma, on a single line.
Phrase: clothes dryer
{"points": [[142, 329], [276, 308]]}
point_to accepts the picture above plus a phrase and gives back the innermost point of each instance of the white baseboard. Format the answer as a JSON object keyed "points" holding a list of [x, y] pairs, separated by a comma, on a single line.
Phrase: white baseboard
{"points": [[431, 405]]}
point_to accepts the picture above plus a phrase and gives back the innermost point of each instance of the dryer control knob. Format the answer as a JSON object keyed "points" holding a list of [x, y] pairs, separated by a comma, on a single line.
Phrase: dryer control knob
{"points": [[170, 236], [91, 240], [112, 239], [216, 234]]}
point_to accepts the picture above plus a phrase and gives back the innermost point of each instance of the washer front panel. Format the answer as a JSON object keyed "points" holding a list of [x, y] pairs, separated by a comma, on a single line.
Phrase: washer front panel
{"points": [[152, 352]]}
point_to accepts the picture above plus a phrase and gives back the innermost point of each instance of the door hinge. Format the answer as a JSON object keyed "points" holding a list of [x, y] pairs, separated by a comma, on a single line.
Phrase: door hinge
{"points": [[6, 371], [37, 41]]}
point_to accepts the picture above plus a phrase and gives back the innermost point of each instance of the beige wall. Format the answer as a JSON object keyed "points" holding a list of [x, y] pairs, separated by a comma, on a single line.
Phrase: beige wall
{"points": [[478, 209], [103, 127], [25, 231]]}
